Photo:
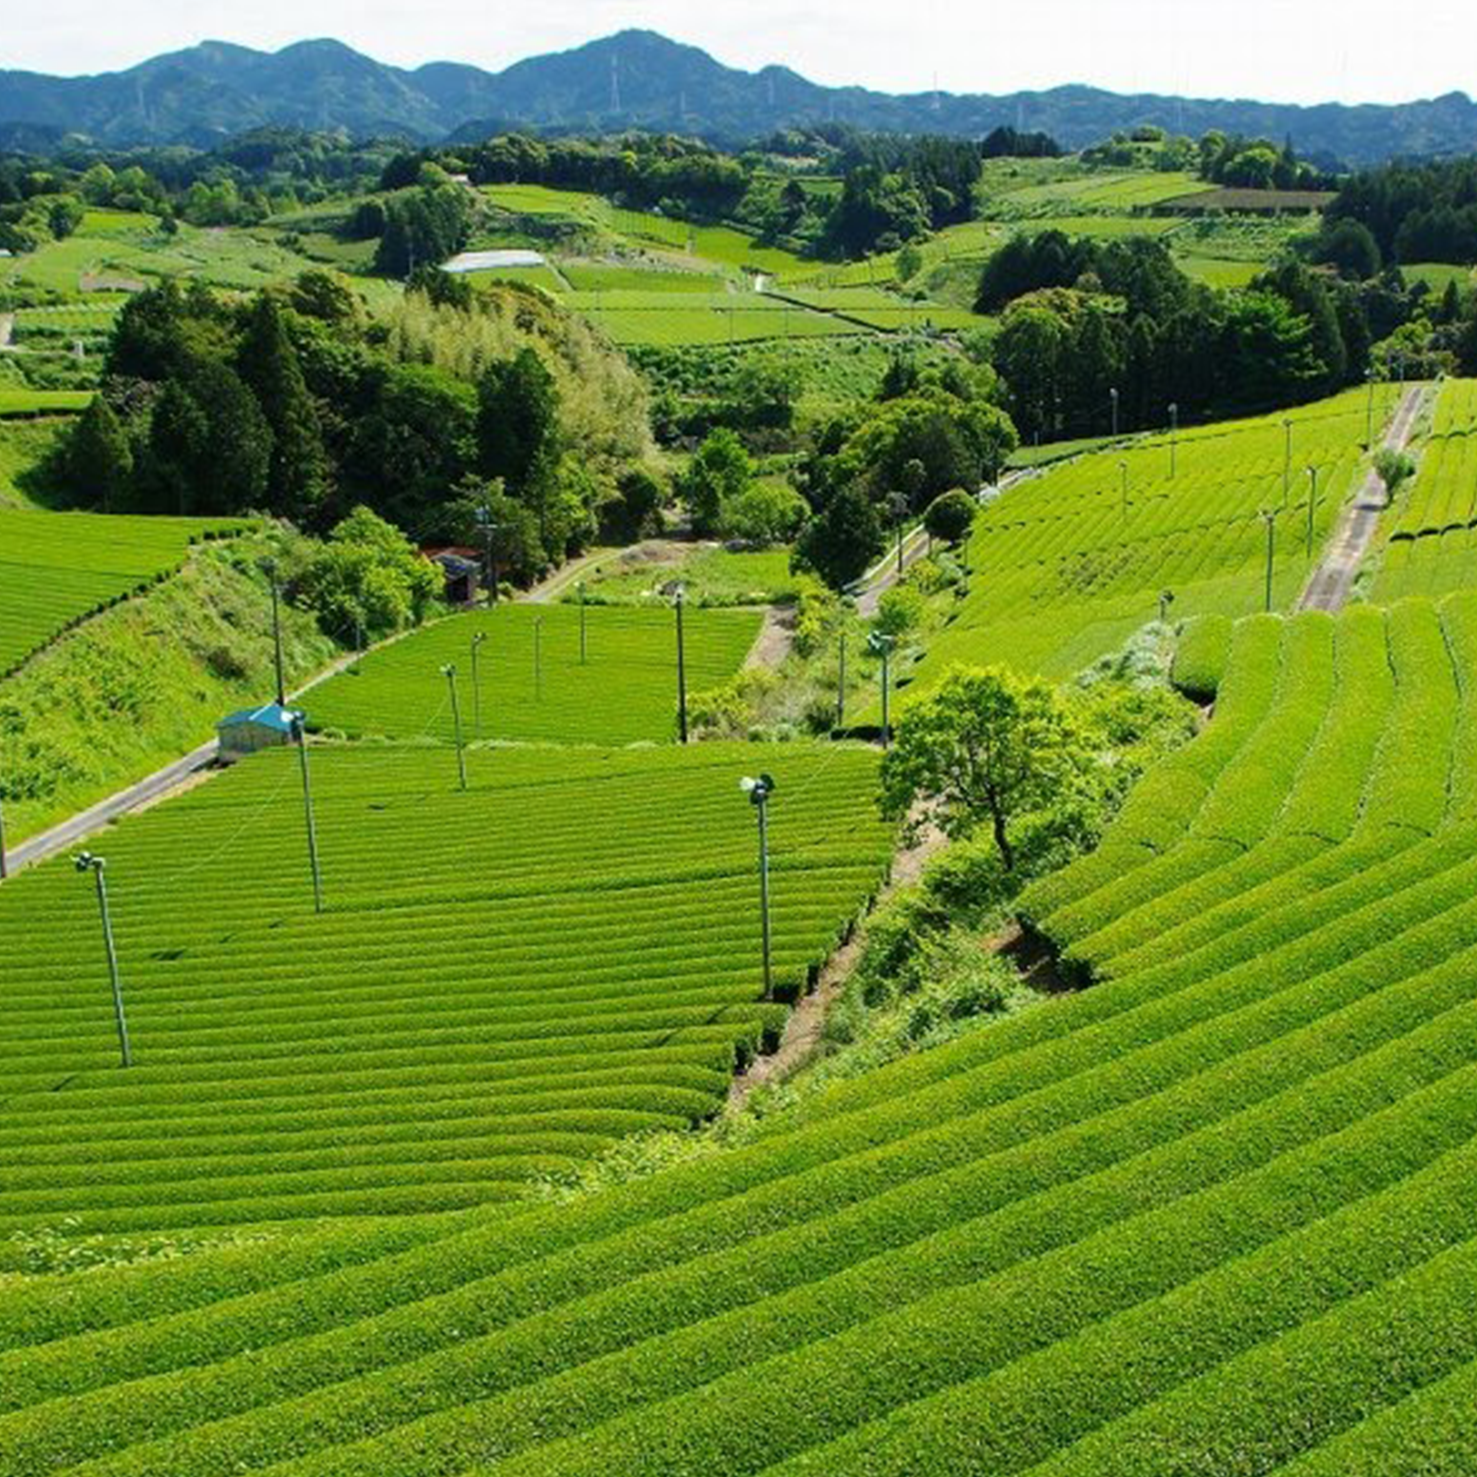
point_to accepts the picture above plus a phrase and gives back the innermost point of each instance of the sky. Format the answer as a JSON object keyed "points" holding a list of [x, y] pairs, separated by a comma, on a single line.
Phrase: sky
{"points": [[1275, 50]]}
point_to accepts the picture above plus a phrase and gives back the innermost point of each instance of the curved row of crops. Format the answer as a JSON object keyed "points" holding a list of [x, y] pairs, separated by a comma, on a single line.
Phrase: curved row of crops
{"points": [[1433, 528], [1341, 757], [503, 981], [1067, 565], [55, 569], [531, 679], [1214, 1214]]}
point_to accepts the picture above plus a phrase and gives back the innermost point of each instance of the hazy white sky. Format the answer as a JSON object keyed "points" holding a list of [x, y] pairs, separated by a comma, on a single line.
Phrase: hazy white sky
{"points": [[1279, 50]]}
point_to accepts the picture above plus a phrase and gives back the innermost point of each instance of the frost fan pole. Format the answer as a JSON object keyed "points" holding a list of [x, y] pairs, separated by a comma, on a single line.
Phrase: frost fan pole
{"points": [[449, 672], [759, 790], [301, 739], [87, 862]]}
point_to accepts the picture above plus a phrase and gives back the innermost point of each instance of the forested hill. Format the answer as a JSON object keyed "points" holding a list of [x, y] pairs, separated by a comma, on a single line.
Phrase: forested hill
{"points": [[640, 79]]}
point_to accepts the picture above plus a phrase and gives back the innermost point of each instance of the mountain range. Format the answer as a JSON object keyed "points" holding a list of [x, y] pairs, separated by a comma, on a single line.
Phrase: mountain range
{"points": [[638, 79]]}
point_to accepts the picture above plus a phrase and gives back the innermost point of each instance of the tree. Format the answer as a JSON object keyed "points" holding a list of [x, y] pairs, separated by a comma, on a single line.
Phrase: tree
{"points": [[950, 516], [368, 579], [298, 478], [988, 746], [843, 539], [1394, 469], [719, 472], [638, 508], [518, 436], [765, 513], [99, 460], [210, 445]]}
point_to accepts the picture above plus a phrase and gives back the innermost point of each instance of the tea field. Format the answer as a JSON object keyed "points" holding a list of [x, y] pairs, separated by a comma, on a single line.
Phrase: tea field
{"points": [[531, 683], [504, 980], [1214, 1214], [1067, 564], [57, 568]]}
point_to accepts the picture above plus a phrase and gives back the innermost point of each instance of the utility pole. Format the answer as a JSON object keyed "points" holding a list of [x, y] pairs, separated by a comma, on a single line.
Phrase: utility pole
{"points": [[1271, 522], [882, 643], [269, 567], [1113, 400], [449, 672], [1123, 489], [1312, 503], [477, 639], [584, 650], [759, 790], [1174, 430], [1286, 459], [490, 570], [301, 740], [677, 595], [87, 862], [840, 687]]}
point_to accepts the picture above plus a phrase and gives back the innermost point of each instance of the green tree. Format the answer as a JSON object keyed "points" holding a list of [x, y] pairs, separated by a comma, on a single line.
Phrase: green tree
{"points": [[988, 746], [719, 472], [1394, 469], [950, 516], [211, 447], [99, 460], [368, 579], [841, 541], [298, 478]]}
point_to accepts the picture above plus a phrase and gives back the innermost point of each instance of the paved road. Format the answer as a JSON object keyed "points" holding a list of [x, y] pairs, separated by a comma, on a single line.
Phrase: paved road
{"points": [[1330, 583], [66, 835]]}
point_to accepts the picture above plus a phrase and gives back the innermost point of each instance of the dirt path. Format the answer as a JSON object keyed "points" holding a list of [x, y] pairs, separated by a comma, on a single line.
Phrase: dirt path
{"points": [[772, 644], [807, 1022], [1329, 585]]}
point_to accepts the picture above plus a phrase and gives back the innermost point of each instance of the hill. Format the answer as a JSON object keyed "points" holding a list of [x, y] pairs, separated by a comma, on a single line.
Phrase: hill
{"points": [[638, 79]]}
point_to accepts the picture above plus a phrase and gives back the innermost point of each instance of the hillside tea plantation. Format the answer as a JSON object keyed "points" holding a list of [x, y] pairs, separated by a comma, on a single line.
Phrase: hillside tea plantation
{"points": [[1216, 1210], [1433, 525], [503, 982], [57, 568], [1067, 564], [625, 691]]}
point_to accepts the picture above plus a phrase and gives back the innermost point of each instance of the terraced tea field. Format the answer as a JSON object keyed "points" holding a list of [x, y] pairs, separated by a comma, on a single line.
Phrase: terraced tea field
{"points": [[669, 318], [1069, 563], [505, 980], [57, 568], [1432, 528], [1214, 1214], [532, 684]]}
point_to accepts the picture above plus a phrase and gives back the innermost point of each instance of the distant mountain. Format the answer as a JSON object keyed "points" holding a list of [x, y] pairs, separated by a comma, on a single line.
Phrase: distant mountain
{"points": [[638, 79]]}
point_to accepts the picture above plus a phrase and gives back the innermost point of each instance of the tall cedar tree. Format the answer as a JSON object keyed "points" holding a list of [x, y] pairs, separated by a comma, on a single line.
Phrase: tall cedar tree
{"points": [[298, 477], [99, 460], [518, 430]]}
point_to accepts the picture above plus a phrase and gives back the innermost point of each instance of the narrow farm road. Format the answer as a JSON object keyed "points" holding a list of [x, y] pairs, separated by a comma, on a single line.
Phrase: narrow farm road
{"points": [[187, 770], [1329, 585]]}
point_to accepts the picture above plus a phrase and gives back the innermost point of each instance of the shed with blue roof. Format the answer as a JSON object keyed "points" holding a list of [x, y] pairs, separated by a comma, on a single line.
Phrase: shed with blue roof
{"points": [[267, 727]]}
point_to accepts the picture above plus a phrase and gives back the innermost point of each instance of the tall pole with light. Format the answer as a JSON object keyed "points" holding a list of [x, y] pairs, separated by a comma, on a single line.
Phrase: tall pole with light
{"points": [[1270, 518], [449, 672], [300, 738], [881, 644], [1286, 459], [269, 568], [1123, 489], [759, 790], [1113, 401], [87, 862], [678, 593], [478, 638], [1174, 431]]}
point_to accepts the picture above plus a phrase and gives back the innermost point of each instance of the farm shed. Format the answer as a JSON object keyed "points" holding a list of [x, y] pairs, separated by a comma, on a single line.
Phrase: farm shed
{"points": [[462, 569], [250, 729]]}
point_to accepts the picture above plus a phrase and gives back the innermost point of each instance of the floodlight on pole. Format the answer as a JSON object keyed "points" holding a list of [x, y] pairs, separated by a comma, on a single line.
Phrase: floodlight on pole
{"points": [[1270, 518], [478, 638], [881, 644], [269, 568], [449, 672], [841, 684], [86, 862], [300, 738], [678, 592], [759, 789]]}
